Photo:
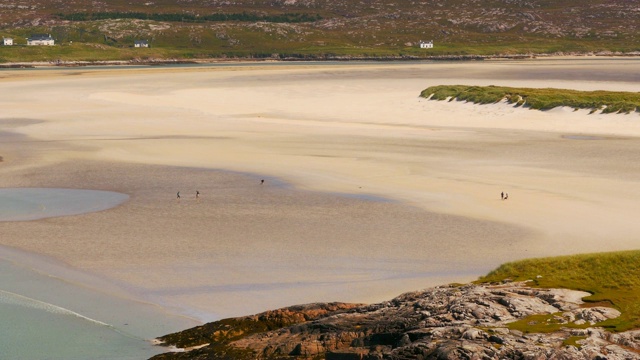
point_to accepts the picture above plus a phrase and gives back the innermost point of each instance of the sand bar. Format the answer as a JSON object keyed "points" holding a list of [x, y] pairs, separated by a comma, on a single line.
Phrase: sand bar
{"points": [[316, 134]]}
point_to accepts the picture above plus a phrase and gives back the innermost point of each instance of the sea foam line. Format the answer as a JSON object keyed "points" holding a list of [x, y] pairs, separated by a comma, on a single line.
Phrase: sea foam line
{"points": [[10, 298]]}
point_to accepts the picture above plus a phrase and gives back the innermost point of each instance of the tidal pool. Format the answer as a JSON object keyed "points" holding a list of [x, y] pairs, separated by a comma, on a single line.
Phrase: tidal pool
{"points": [[22, 204]]}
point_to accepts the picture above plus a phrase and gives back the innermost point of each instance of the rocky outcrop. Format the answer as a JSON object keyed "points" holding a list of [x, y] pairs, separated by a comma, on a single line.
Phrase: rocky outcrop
{"points": [[506, 321], [213, 339]]}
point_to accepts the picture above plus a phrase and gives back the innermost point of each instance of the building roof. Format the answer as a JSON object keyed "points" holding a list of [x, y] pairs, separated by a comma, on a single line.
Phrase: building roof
{"points": [[141, 42], [40, 37]]}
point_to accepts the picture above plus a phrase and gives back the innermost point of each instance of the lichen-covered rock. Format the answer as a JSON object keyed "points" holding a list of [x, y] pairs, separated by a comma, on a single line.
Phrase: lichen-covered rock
{"points": [[449, 322]]}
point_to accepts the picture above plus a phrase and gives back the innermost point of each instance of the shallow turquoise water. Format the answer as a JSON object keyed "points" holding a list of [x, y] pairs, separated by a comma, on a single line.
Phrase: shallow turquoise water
{"points": [[20, 204], [46, 317], [48, 313], [31, 329]]}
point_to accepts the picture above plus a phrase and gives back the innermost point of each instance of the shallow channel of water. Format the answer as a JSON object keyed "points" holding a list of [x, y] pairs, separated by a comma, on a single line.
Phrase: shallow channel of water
{"points": [[21, 204]]}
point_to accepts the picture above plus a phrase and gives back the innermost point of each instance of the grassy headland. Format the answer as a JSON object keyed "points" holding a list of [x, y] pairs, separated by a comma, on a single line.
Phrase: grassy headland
{"points": [[539, 99], [611, 278]]}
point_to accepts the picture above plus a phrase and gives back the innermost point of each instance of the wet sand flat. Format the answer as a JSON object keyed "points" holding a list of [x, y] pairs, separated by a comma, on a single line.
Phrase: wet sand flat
{"points": [[329, 140], [242, 246]]}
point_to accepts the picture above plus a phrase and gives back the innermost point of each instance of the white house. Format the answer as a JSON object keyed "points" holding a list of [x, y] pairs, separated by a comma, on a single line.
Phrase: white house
{"points": [[426, 44], [7, 41], [40, 39], [141, 43]]}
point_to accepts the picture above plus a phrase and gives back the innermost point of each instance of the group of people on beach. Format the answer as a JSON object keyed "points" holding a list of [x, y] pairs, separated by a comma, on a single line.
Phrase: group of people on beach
{"points": [[197, 195], [504, 195], [198, 192]]}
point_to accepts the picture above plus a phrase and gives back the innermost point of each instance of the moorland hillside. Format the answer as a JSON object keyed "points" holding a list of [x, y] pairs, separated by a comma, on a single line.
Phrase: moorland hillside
{"points": [[107, 29]]}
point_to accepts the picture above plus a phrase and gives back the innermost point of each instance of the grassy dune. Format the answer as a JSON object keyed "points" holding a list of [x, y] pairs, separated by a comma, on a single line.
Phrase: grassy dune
{"points": [[611, 278], [539, 99]]}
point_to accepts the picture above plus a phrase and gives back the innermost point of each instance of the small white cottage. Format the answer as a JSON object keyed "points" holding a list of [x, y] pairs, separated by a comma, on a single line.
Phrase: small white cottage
{"points": [[41, 39], [426, 44], [141, 44], [7, 41]]}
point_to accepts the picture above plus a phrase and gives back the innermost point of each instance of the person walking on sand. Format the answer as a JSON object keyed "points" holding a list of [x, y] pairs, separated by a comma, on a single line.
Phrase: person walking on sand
{"points": [[197, 194], [178, 195], [502, 195], [261, 181], [506, 196]]}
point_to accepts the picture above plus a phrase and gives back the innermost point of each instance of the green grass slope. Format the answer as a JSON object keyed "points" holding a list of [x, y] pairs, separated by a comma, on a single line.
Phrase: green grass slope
{"points": [[610, 277]]}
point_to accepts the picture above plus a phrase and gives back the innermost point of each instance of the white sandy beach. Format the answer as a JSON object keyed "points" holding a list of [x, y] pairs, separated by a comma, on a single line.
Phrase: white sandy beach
{"points": [[316, 133]]}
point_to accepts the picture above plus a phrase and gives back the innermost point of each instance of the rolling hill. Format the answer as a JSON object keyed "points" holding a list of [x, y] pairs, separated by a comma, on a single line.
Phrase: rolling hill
{"points": [[106, 29]]}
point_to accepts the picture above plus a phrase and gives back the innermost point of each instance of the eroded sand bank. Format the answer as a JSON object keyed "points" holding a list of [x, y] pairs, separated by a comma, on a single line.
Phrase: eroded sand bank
{"points": [[572, 178]]}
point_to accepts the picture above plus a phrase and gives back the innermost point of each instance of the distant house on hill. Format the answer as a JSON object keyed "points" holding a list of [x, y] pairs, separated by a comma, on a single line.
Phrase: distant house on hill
{"points": [[141, 43], [426, 44], [40, 39], [7, 41]]}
